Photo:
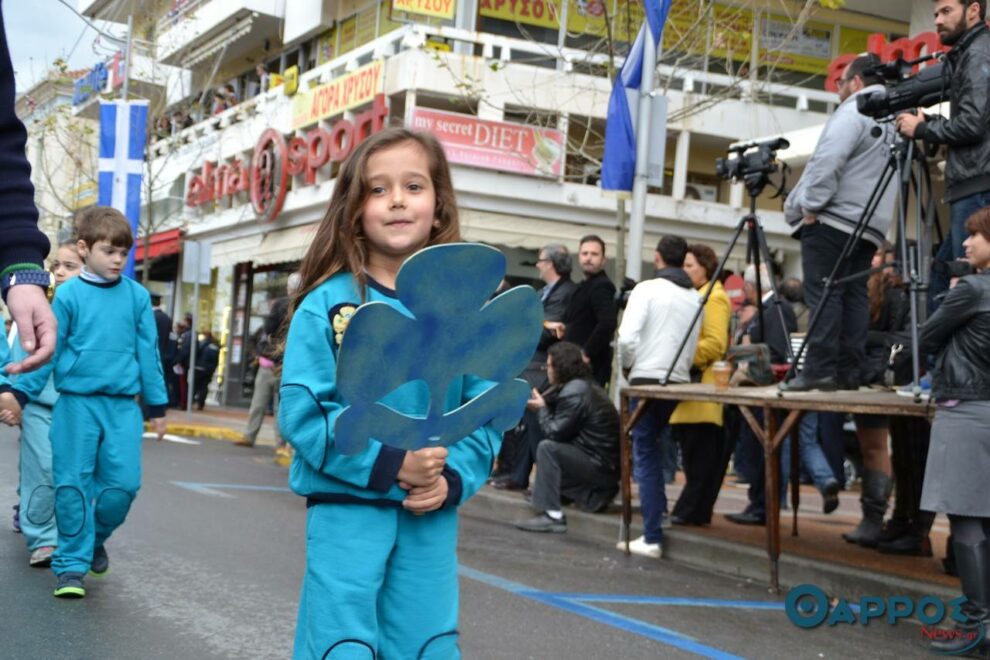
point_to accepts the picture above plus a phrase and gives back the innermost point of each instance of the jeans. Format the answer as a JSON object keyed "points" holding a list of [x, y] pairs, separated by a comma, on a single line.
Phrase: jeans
{"points": [[837, 342], [668, 455], [952, 247], [812, 457], [647, 467], [833, 443]]}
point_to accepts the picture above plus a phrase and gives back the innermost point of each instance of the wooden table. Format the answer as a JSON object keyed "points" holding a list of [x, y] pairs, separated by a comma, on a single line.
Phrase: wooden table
{"points": [[770, 435]]}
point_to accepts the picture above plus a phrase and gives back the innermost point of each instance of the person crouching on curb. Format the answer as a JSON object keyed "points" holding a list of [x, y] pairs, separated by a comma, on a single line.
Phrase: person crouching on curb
{"points": [[106, 355], [579, 455]]}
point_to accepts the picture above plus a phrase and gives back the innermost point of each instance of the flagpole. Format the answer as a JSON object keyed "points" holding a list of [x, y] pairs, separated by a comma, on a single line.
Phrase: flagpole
{"points": [[127, 55], [637, 215]]}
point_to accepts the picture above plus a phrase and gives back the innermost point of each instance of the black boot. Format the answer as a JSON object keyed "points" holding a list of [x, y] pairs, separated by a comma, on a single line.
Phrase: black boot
{"points": [[914, 539], [973, 563], [894, 528], [876, 491]]}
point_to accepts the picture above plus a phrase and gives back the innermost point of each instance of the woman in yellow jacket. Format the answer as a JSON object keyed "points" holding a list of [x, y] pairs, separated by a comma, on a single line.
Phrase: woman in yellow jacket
{"points": [[697, 425]]}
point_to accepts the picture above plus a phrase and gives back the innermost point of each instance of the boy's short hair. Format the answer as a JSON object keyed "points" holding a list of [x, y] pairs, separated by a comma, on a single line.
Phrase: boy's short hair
{"points": [[103, 223]]}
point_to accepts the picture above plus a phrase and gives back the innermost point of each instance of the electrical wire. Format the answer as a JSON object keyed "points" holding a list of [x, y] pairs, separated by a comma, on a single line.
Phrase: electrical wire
{"points": [[93, 25]]}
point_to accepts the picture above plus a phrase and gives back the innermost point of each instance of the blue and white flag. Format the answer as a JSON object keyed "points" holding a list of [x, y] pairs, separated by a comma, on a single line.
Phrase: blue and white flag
{"points": [[619, 161], [123, 132]]}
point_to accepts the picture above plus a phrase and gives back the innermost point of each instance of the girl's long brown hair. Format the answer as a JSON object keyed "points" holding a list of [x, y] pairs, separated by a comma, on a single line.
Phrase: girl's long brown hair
{"points": [[339, 244]]}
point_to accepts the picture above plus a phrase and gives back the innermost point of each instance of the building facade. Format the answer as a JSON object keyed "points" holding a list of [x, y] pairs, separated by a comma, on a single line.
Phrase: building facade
{"points": [[270, 97]]}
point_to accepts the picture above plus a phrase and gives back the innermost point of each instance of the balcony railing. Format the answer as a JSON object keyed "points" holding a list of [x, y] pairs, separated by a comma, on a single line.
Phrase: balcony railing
{"points": [[502, 49], [179, 12]]}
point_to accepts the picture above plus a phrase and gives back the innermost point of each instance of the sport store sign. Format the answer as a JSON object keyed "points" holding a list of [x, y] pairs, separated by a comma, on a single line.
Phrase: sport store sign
{"points": [[265, 179]]}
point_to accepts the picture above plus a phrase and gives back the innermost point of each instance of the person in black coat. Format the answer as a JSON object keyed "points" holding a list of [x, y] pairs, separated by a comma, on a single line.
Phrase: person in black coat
{"points": [[168, 345], [207, 359], [23, 247], [777, 338], [518, 452], [579, 456], [591, 316]]}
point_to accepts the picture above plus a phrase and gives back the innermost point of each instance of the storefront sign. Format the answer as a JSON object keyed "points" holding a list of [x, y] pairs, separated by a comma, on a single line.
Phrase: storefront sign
{"points": [[495, 145], [275, 159], [435, 8], [906, 48], [348, 91]]}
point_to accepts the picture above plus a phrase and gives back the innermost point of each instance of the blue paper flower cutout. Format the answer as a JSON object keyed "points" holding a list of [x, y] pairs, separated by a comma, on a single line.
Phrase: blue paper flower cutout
{"points": [[392, 366]]}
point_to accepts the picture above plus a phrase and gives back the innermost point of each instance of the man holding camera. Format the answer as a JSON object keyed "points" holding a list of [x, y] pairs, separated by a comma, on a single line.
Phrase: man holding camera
{"points": [[961, 24], [824, 209]]}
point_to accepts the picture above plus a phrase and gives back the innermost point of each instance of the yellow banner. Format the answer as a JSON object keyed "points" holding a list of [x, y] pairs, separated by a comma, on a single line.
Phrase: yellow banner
{"points": [[348, 91], [436, 8], [542, 13]]}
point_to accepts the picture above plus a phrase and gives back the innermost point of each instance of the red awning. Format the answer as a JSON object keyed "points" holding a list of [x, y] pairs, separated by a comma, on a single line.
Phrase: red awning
{"points": [[162, 244]]}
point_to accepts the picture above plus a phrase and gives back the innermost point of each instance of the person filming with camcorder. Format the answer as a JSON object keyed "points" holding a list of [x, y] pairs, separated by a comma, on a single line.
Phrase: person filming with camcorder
{"points": [[825, 210], [961, 24]]}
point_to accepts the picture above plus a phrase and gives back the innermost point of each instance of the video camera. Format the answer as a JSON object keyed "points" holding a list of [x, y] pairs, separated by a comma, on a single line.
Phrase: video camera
{"points": [[761, 161], [753, 168], [903, 91]]}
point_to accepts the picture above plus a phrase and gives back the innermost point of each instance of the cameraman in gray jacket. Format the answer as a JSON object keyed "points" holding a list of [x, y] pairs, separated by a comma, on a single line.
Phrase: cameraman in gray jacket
{"points": [[824, 209]]}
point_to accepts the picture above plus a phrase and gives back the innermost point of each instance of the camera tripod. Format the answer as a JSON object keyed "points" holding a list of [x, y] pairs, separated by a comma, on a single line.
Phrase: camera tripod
{"points": [[757, 252], [913, 263]]}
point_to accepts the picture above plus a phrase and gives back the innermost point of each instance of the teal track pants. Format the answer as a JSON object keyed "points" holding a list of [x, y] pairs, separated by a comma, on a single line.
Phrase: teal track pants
{"points": [[37, 491], [380, 583], [96, 464]]}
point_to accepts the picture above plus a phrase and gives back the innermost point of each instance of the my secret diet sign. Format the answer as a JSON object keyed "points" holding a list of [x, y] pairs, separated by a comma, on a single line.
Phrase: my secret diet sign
{"points": [[494, 145]]}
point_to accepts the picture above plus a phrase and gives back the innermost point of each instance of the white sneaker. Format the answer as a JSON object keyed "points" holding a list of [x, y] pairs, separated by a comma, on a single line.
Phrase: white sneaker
{"points": [[640, 547]]}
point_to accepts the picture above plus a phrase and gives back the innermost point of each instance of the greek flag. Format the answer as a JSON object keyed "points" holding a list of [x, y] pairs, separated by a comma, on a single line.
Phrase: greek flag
{"points": [[619, 161], [123, 131]]}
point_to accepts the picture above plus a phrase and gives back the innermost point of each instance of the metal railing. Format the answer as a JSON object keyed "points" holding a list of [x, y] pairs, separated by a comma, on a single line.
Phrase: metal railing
{"points": [[502, 49]]}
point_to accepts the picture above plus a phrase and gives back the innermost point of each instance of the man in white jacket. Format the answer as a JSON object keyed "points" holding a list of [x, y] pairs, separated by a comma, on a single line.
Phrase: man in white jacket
{"points": [[657, 318]]}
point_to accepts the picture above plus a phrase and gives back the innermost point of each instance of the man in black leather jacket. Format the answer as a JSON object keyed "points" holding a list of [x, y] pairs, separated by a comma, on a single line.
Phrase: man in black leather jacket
{"points": [[579, 456], [960, 24]]}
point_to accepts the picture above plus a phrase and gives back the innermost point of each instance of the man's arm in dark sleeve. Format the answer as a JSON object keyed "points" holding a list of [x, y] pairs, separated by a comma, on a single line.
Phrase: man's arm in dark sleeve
{"points": [[603, 307], [21, 243], [970, 116]]}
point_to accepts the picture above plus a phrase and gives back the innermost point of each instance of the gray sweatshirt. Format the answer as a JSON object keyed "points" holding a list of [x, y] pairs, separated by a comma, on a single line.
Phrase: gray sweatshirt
{"points": [[842, 173]]}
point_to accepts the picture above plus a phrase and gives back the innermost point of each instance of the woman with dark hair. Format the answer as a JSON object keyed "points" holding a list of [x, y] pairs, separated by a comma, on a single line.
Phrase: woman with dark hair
{"points": [[958, 333], [698, 425], [578, 457], [888, 313]]}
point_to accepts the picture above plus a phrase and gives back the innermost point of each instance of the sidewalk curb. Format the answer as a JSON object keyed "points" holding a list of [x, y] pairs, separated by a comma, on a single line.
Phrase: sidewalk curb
{"points": [[201, 431], [725, 557]]}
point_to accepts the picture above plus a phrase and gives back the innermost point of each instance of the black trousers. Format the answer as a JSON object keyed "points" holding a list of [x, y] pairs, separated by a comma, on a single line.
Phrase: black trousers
{"points": [[705, 456], [837, 342], [601, 367], [909, 440], [565, 470]]}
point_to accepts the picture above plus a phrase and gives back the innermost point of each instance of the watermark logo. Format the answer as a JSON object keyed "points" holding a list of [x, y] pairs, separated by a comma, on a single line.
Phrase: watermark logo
{"points": [[808, 606]]}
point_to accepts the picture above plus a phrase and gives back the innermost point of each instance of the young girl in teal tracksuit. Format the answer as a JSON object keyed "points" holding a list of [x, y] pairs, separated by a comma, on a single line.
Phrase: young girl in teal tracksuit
{"points": [[37, 503], [381, 566]]}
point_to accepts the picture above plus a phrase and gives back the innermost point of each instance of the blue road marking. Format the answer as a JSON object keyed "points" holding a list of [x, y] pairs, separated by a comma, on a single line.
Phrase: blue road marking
{"points": [[682, 602], [578, 604]]}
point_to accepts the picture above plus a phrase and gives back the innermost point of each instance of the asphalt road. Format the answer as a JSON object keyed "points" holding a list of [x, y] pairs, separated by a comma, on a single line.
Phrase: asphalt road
{"points": [[209, 563]]}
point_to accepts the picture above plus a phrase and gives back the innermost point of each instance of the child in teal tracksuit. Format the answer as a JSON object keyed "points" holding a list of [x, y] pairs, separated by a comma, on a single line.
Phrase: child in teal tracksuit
{"points": [[381, 561], [107, 354], [37, 492]]}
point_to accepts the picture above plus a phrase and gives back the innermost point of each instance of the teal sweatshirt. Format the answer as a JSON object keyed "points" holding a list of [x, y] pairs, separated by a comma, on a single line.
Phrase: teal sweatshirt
{"points": [[310, 404], [107, 345]]}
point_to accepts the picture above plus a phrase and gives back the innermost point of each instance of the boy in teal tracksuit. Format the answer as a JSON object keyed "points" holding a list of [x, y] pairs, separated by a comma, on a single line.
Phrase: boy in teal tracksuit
{"points": [[107, 354], [380, 581]]}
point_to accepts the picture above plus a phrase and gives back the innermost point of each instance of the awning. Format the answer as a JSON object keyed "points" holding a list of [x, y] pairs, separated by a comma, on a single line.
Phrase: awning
{"points": [[162, 244], [215, 44], [285, 245], [234, 251]]}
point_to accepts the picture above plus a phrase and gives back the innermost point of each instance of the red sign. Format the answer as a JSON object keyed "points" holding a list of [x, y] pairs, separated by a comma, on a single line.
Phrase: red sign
{"points": [[906, 48], [495, 145], [275, 159]]}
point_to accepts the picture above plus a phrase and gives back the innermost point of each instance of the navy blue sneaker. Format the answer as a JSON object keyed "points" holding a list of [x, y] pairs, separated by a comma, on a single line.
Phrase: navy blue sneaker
{"points": [[100, 564], [70, 585]]}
